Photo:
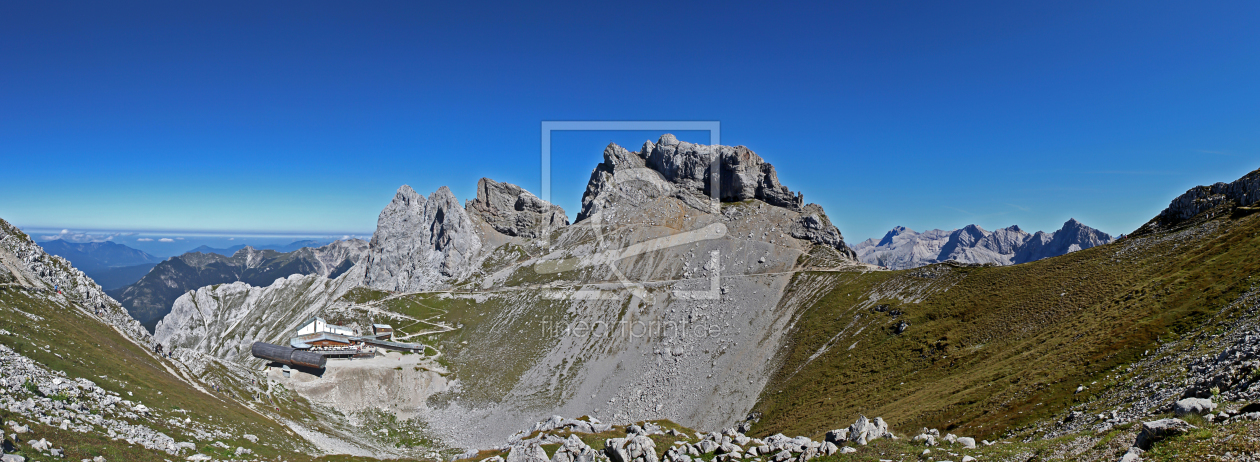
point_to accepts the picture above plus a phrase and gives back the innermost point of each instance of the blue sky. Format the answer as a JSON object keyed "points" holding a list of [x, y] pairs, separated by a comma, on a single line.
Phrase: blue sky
{"points": [[303, 118]]}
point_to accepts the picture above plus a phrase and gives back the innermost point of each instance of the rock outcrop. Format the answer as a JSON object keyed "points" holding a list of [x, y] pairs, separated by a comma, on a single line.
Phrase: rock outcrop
{"points": [[1154, 431], [421, 243], [672, 168], [903, 248], [743, 174], [513, 211], [1243, 192]]}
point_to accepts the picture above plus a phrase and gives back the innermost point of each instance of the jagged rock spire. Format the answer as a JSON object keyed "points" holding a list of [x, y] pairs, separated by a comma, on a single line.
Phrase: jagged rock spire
{"points": [[421, 243]]}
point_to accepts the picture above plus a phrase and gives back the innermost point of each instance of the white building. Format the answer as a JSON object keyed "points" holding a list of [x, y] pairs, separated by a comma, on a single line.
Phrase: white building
{"points": [[318, 325]]}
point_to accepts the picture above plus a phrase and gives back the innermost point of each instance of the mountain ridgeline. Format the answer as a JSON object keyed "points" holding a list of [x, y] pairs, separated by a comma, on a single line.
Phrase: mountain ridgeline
{"points": [[749, 313], [150, 299], [649, 240], [903, 248]]}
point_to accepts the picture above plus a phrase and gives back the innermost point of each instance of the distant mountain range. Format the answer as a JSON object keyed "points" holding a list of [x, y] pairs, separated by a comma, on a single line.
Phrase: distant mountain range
{"points": [[94, 255], [110, 264], [904, 248], [229, 251], [150, 298]]}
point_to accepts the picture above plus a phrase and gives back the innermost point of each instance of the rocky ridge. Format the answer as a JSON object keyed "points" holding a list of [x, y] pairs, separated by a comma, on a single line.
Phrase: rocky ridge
{"points": [[513, 211], [1243, 192], [903, 248], [24, 263]]}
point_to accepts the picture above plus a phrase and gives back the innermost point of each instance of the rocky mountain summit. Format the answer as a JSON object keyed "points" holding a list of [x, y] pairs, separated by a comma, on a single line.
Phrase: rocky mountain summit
{"points": [[513, 211], [1241, 193], [903, 248], [420, 243], [150, 298], [682, 170]]}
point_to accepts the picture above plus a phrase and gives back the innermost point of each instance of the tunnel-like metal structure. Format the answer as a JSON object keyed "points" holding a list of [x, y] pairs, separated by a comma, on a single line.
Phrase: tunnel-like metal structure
{"points": [[288, 355]]}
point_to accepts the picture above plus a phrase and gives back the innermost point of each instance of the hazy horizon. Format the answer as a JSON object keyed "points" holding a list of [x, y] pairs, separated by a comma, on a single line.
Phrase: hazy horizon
{"points": [[308, 117]]}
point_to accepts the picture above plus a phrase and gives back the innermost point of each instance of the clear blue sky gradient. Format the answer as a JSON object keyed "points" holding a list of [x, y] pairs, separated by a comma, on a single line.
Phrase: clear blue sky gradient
{"points": [[305, 117]]}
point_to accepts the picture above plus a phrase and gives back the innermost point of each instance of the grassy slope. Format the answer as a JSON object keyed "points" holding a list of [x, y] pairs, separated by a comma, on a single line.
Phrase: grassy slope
{"points": [[80, 346], [1005, 345]]}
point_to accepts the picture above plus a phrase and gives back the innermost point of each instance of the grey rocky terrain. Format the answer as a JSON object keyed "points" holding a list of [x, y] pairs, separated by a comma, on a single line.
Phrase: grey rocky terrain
{"points": [[26, 384], [421, 243], [903, 248], [647, 239]]}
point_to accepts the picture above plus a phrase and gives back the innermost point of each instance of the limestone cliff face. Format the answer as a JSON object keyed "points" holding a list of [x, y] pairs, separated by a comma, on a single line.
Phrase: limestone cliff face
{"points": [[421, 243], [513, 211], [672, 168], [743, 174]]}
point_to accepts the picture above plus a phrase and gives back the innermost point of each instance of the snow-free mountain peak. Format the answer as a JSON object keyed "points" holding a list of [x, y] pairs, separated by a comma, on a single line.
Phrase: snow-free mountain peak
{"points": [[421, 243], [903, 248]]}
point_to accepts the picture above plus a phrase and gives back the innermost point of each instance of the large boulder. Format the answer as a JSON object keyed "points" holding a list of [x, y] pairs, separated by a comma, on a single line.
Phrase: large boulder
{"points": [[837, 436], [634, 447], [967, 442], [865, 430], [1155, 431], [1197, 406], [574, 450], [528, 452]]}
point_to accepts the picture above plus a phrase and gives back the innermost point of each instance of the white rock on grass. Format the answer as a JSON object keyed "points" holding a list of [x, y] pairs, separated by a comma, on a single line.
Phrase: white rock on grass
{"points": [[967, 442], [1197, 406]]}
